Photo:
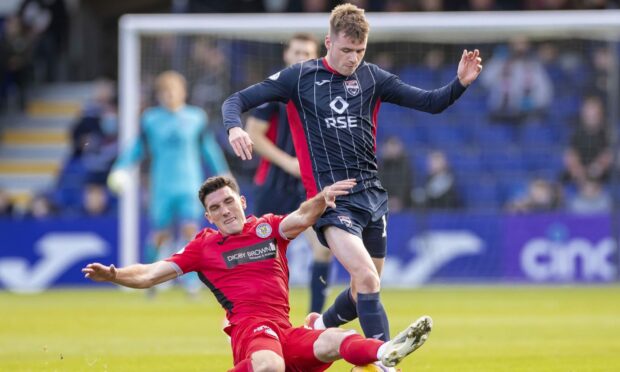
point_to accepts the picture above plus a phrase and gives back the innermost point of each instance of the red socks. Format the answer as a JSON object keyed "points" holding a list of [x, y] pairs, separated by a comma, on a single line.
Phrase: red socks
{"points": [[358, 350]]}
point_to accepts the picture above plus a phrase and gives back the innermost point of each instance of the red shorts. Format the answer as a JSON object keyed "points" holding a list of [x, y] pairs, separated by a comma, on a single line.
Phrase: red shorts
{"points": [[295, 344]]}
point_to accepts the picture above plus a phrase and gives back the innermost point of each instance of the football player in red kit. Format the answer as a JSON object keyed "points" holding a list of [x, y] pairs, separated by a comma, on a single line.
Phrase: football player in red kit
{"points": [[243, 262]]}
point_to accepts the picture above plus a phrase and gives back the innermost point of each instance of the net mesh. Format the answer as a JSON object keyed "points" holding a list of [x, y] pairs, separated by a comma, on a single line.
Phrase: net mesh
{"points": [[505, 150], [511, 127]]}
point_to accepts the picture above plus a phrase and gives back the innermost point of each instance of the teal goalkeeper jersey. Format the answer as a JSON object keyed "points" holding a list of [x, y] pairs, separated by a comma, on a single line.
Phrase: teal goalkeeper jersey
{"points": [[176, 142]]}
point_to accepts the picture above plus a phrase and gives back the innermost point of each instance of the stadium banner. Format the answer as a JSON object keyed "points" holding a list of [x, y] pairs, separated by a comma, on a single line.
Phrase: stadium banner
{"points": [[470, 247], [422, 248], [38, 254], [440, 247], [559, 248]]}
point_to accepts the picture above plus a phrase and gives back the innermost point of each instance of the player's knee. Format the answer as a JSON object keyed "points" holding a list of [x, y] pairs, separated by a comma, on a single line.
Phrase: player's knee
{"points": [[267, 361], [366, 280], [327, 345]]}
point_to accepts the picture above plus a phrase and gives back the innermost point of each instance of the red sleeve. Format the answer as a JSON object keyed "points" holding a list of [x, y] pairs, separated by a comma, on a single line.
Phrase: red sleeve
{"points": [[188, 258], [274, 221]]}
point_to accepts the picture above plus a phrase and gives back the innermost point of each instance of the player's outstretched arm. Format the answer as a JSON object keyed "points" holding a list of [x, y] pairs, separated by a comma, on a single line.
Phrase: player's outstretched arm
{"points": [[133, 276], [310, 210], [470, 66]]}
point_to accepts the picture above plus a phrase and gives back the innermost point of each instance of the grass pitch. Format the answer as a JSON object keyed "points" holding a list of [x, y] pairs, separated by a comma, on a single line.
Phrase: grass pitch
{"points": [[476, 329]]}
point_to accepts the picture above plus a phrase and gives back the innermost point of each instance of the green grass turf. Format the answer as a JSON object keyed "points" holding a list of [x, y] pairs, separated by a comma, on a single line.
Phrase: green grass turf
{"points": [[476, 329]]}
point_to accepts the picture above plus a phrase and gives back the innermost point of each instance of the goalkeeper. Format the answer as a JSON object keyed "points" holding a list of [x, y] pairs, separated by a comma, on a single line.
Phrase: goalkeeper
{"points": [[175, 137]]}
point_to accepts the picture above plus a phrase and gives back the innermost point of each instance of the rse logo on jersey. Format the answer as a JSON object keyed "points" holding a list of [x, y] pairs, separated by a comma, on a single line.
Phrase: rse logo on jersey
{"points": [[339, 106], [341, 122]]}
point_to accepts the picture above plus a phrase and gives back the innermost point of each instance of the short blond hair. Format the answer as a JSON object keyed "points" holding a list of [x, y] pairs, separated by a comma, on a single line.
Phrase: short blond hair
{"points": [[351, 20], [167, 77]]}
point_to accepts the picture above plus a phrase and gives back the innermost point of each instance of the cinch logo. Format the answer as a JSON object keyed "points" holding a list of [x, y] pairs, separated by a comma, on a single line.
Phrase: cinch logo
{"points": [[545, 259], [339, 105]]}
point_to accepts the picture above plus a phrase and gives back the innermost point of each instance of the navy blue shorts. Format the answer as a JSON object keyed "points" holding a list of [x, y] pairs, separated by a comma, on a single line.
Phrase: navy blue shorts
{"points": [[363, 214], [280, 202]]}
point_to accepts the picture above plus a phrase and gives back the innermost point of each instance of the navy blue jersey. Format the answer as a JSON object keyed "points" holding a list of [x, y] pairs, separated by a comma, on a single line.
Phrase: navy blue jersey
{"points": [[278, 132], [333, 117]]}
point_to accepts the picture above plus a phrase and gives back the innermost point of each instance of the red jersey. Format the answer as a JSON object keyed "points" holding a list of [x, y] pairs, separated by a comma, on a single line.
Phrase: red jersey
{"points": [[247, 273]]}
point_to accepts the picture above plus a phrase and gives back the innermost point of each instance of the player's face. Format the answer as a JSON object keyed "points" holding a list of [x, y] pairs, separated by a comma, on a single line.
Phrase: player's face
{"points": [[172, 95], [225, 209], [343, 54], [300, 50]]}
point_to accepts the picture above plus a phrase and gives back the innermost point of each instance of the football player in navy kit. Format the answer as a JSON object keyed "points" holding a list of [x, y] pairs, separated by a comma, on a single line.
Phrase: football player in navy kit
{"points": [[332, 106]]}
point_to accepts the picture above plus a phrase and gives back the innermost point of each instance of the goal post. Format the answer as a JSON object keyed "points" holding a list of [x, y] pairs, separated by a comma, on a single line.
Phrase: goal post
{"points": [[456, 28]]}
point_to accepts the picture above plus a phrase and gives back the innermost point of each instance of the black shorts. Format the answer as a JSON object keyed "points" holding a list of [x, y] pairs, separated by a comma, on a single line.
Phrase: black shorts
{"points": [[281, 202], [363, 214]]}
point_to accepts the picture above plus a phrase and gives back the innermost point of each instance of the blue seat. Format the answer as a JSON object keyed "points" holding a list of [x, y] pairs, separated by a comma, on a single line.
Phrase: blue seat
{"points": [[465, 163], [548, 160], [497, 135], [418, 159], [507, 159], [482, 194], [512, 186], [536, 135], [441, 135]]}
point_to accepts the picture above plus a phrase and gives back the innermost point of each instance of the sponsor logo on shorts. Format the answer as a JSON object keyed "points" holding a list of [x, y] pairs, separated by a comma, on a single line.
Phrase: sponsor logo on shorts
{"points": [[266, 330], [345, 220], [262, 251], [263, 230]]}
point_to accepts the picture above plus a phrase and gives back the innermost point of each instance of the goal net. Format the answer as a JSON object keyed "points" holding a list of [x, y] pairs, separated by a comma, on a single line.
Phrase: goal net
{"points": [[506, 142]]}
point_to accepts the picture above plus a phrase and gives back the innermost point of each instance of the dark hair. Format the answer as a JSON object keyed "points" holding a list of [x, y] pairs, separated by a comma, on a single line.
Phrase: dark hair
{"points": [[302, 36], [213, 184]]}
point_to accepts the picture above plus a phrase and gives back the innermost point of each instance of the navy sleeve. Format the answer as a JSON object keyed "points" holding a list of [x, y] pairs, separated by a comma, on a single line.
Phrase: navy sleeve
{"points": [[277, 87], [265, 111], [394, 90]]}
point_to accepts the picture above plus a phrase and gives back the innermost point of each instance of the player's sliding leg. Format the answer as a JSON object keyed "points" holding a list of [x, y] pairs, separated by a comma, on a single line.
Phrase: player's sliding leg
{"points": [[350, 251], [334, 344], [320, 271], [262, 360]]}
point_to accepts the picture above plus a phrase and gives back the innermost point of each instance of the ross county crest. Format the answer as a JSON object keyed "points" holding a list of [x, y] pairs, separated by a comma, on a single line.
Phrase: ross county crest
{"points": [[345, 220], [352, 87], [263, 230]]}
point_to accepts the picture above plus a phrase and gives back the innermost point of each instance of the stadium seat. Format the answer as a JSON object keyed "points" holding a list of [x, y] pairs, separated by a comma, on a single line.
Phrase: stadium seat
{"points": [[544, 160], [440, 135], [481, 193], [536, 134], [494, 135], [465, 162], [507, 159]]}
